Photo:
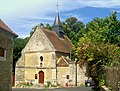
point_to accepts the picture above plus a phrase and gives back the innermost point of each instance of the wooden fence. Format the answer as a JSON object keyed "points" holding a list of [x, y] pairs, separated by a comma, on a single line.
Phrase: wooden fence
{"points": [[112, 78]]}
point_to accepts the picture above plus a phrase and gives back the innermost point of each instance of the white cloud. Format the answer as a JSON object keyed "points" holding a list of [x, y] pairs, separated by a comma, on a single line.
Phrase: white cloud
{"points": [[24, 13], [28, 7], [98, 3], [118, 11]]}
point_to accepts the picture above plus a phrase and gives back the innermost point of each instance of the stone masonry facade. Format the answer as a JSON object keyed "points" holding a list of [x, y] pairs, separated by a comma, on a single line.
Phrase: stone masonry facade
{"points": [[6, 64], [28, 66], [6, 56]]}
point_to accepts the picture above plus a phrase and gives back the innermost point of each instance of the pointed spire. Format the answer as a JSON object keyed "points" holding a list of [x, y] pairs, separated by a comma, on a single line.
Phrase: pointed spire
{"points": [[57, 6], [57, 21], [57, 26], [57, 18]]}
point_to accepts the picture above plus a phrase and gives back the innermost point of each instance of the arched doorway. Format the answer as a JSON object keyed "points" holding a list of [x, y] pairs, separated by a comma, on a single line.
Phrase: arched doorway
{"points": [[41, 77]]}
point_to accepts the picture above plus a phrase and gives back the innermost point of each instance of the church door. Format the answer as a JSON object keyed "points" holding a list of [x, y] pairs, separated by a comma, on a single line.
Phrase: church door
{"points": [[41, 77]]}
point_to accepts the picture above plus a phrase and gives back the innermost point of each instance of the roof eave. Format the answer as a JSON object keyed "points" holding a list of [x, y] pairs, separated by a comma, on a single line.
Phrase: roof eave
{"points": [[13, 34]]}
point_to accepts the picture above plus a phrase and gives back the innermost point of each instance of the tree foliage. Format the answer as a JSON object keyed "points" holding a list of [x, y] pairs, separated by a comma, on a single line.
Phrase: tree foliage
{"points": [[108, 29], [100, 45], [73, 28], [19, 44]]}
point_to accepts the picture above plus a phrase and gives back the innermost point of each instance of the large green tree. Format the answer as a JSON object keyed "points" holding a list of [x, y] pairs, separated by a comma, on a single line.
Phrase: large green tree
{"points": [[105, 30], [73, 28], [99, 46], [19, 44], [113, 33]]}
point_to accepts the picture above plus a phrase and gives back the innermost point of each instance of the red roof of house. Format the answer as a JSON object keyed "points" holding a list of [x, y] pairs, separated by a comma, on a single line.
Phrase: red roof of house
{"points": [[60, 44], [5, 27]]}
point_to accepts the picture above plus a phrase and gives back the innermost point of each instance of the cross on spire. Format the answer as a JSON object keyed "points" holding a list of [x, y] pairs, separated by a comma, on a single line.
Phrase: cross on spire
{"points": [[57, 26], [57, 6]]}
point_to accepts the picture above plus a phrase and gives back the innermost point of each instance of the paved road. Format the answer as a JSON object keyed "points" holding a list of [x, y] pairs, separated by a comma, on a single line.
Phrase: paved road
{"points": [[55, 89]]}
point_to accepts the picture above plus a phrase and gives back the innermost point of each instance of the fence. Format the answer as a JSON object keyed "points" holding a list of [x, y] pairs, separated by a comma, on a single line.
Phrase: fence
{"points": [[112, 78]]}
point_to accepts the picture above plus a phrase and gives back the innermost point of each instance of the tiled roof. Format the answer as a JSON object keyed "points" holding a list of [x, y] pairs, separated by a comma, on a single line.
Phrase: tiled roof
{"points": [[60, 44], [5, 27], [63, 62]]}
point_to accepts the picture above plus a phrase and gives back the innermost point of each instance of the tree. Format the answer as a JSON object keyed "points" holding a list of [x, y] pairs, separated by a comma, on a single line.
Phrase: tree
{"points": [[99, 46], [108, 29], [47, 26], [96, 57], [113, 34], [74, 29], [19, 44]]}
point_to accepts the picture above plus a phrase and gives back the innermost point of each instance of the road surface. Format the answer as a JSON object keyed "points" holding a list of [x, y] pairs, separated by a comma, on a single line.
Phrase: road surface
{"points": [[55, 89]]}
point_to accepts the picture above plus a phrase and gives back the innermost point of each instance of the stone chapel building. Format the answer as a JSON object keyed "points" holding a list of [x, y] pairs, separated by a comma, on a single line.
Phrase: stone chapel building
{"points": [[46, 58], [6, 56]]}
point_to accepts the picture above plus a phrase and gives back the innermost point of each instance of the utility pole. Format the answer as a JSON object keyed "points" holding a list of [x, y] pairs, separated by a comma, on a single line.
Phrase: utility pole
{"points": [[76, 61]]}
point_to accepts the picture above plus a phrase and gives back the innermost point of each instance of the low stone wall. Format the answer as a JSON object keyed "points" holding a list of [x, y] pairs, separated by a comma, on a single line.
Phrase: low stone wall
{"points": [[112, 78]]}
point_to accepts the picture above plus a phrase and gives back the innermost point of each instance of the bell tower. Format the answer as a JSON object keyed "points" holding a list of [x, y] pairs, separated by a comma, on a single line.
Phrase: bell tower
{"points": [[57, 26]]}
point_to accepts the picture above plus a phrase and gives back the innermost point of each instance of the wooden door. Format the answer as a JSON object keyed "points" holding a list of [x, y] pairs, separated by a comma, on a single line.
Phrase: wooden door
{"points": [[41, 77]]}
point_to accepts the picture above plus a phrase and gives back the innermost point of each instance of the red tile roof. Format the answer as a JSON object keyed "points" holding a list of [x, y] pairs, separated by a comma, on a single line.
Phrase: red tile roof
{"points": [[60, 44], [5, 27]]}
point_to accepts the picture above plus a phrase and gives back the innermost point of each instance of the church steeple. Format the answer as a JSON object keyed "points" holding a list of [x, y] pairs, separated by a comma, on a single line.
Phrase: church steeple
{"points": [[57, 20], [57, 26]]}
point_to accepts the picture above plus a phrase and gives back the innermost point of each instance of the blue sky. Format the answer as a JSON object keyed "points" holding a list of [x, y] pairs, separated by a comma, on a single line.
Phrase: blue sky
{"points": [[22, 15]]}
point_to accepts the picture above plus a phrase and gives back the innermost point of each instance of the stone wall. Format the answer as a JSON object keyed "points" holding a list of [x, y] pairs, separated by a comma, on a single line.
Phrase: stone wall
{"points": [[113, 73], [81, 75], [62, 73], [6, 65], [29, 65]]}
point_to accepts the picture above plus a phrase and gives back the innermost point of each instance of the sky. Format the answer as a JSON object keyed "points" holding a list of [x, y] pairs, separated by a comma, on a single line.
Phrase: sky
{"points": [[22, 15]]}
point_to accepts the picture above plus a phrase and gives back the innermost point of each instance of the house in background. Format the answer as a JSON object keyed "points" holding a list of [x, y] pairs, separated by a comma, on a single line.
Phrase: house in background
{"points": [[46, 58], [6, 56]]}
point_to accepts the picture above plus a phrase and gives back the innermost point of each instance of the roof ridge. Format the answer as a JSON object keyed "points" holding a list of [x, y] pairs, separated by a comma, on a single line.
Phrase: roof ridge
{"points": [[60, 45]]}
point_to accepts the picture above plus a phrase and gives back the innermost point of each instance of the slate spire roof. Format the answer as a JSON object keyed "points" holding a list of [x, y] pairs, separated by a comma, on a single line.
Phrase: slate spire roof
{"points": [[57, 26], [57, 21]]}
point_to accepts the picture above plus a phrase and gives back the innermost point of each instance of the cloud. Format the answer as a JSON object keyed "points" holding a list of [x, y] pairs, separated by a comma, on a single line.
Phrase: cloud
{"points": [[32, 7], [96, 3], [118, 11], [22, 15]]}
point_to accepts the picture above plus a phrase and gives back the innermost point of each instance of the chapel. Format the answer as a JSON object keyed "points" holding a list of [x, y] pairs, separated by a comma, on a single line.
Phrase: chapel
{"points": [[46, 58]]}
